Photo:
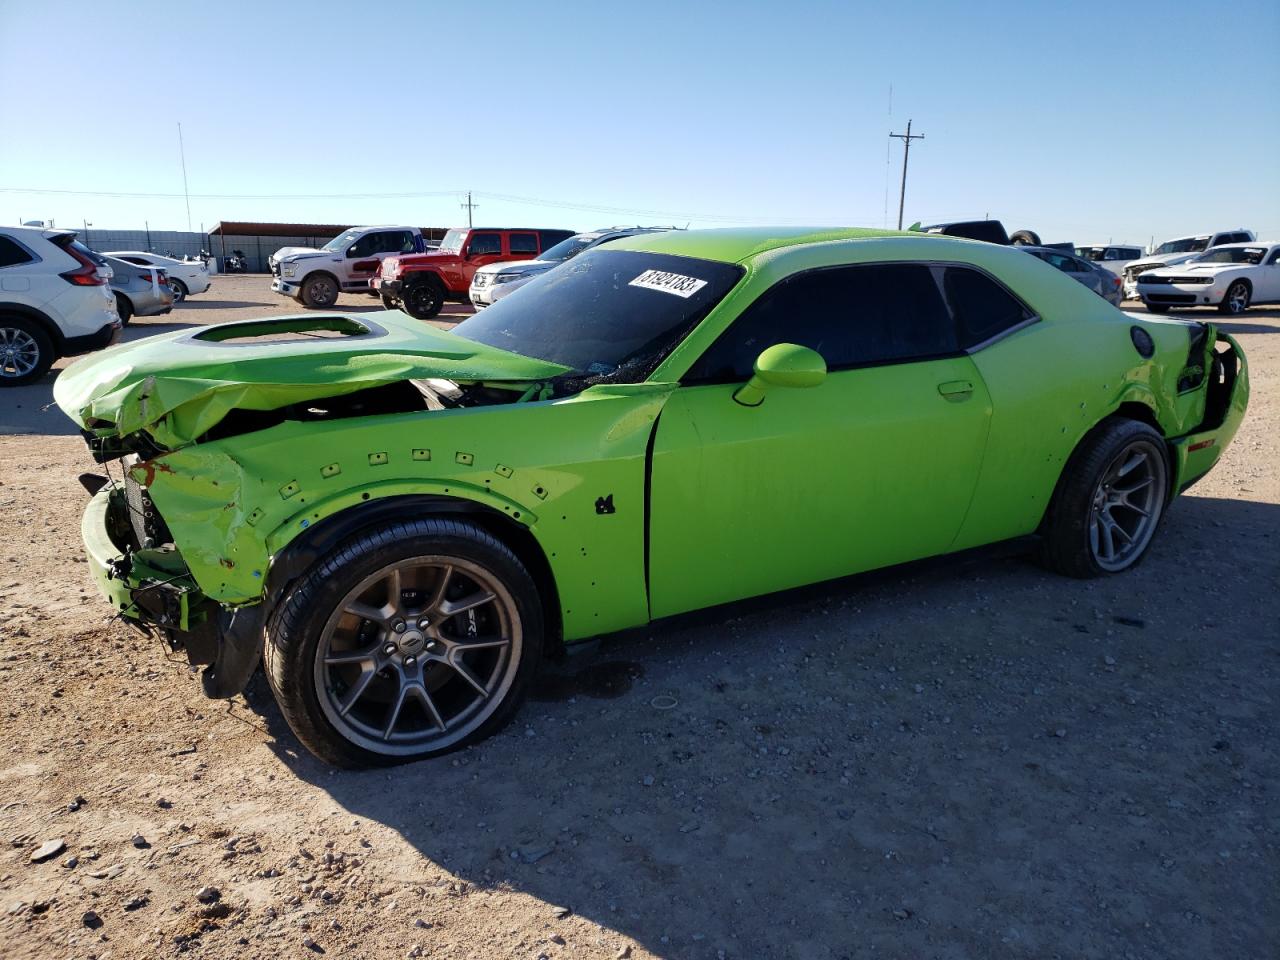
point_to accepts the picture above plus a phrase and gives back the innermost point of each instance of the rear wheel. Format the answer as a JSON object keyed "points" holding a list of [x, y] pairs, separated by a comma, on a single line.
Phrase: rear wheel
{"points": [[1109, 501], [124, 308], [423, 299], [1237, 299], [319, 291], [26, 352], [1025, 238], [179, 290], [412, 640]]}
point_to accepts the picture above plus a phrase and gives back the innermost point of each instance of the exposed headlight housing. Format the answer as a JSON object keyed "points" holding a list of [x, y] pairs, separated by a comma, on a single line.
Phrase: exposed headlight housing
{"points": [[508, 277], [288, 269]]}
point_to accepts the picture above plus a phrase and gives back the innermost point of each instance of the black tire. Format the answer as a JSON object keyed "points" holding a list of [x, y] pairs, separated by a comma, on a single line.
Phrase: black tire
{"points": [[388, 303], [179, 289], [26, 351], [304, 631], [319, 291], [423, 299], [1025, 238], [1067, 533], [1236, 299], [124, 307]]}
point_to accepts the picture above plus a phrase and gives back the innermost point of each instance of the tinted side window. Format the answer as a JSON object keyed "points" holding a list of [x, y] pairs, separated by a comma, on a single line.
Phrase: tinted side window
{"points": [[524, 243], [981, 306], [11, 254], [485, 243], [138, 260], [853, 316]]}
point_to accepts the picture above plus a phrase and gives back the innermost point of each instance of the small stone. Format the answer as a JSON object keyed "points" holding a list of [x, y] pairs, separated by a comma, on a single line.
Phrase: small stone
{"points": [[422, 924], [902, 913], [163, 804], [415, 950], [310, 944], [136, 903], [50, 848], [919, 688], [623, 953], [1109, 660], [140, 842], [648, 781], [208, 894], [530, 732], [91, 920], [560, 912], [71, 862]]}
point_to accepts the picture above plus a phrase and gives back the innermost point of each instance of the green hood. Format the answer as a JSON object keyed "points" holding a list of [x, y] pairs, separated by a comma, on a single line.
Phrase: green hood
{"points": [[176, 386]]}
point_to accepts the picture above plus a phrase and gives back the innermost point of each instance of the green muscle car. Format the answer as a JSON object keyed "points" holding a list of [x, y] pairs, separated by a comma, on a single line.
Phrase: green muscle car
{"points": [[402, 522]]}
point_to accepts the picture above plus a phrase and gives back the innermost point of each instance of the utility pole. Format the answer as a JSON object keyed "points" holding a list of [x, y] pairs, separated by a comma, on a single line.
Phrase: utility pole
{"points": [[906, 139], [87, 225], [469, 206]]}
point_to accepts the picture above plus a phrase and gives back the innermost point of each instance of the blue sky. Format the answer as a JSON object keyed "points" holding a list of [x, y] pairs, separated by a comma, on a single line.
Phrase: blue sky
{"points": [[1085, 122]]}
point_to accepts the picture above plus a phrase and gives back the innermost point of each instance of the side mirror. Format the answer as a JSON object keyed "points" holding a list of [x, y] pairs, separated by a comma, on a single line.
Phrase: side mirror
{"points": [[782, 365]]}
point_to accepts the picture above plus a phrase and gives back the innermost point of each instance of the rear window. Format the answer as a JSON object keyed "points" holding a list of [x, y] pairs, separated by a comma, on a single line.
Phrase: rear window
{"points": [[11, 255]]}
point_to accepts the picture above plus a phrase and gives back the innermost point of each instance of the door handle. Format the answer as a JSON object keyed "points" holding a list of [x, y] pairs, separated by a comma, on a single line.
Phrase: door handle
{"points": [[956, 390]]}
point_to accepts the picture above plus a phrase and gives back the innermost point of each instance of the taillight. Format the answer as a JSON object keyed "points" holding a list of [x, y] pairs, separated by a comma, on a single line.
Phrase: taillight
{"points": [[85, 275], [162, 276]]}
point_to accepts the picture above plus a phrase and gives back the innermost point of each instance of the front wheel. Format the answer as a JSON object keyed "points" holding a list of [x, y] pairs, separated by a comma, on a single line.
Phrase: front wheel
{"points": [[410, 641], [319, 291], [423, 299], [1109, 501], [1237, 299]]}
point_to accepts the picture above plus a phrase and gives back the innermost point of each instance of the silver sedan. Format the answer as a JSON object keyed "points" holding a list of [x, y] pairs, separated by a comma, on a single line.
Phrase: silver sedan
{"points": [[140, 291]]}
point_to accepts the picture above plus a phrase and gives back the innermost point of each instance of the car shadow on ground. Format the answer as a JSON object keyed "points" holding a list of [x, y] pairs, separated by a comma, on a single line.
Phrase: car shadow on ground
{"points": [[204, 304], [950, 759]]}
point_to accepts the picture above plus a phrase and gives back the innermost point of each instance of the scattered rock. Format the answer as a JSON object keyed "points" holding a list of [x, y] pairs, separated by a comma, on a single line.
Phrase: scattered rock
{"points": [[534, 854], [136, 903], [1060, 732], [1109, 660], [556, 939], [623, 953], [422, 924], [560, 912], [902, 913], [311, 944], [91, 920], [76, 804], [648, 781], [140, 842], [208, 894], [163, 804], [50, 848]]}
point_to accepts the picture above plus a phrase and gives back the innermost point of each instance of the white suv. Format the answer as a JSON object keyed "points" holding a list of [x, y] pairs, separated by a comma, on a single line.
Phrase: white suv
{"points": [[54, 302]]}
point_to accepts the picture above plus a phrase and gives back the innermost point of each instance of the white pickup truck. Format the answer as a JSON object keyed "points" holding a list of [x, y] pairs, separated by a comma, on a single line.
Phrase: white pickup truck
{"points": [[314, 277]]}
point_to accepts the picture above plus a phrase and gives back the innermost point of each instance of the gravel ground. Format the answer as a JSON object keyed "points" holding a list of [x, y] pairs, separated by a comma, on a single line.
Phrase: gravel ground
{"points": [[953, 760]]}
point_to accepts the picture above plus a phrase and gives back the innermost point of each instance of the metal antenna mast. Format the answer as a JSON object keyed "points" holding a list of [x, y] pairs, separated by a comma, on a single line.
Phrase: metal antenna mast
{"points": [[183, 154], [906, 139], [469, 206]]}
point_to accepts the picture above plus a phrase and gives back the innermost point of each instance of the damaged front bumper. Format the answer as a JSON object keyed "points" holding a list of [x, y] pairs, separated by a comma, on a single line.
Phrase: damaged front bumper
{"points": [[154, 590]]}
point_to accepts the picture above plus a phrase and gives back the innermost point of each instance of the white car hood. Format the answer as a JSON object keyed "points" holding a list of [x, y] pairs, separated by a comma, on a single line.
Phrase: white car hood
{"points": [[1162, 259], [1194, 270], [519, 266], [285, 252]]}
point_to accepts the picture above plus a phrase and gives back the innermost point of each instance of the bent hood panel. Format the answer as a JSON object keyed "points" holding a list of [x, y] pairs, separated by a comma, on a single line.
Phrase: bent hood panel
{"points": [[176, 386]]}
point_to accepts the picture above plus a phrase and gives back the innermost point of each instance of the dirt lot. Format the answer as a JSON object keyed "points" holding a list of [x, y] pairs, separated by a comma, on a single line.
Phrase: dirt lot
{"points": [[955, 760]]}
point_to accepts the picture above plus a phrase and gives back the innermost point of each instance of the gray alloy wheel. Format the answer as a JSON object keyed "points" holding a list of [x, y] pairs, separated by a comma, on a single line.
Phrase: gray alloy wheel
{"points": [[418, 655], [19, 353], [1126, 506], [179, 290], [1236, 300], [319, 291]]}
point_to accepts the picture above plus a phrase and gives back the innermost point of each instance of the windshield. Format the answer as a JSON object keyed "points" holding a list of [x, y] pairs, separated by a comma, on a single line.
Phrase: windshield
{"points": [[1186, 245], [1251, 255], [1091, 253], [340, 243], [453, 241], [568, 249], [609, 314]]}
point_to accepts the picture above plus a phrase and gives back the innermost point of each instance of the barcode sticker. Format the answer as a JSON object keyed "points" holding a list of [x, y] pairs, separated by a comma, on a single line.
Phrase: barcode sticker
{"points": [[664, 282]]}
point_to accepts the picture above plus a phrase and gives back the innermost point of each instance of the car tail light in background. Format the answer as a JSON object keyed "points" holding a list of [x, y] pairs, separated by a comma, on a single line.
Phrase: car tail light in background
{"points": [[162, 276], [85, 275]]}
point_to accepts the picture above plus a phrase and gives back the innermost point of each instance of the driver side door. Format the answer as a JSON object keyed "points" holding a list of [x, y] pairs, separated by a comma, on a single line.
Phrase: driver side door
{"points": [[875, 466]]}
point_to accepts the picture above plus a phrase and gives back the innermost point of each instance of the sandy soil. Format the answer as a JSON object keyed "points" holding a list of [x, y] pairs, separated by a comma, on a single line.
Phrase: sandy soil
{"points": [[953, 760]]}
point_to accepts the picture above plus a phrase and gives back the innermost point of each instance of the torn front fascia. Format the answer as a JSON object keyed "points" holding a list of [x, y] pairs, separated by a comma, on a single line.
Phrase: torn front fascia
{"points": [[1192, 375], [106, 449]]}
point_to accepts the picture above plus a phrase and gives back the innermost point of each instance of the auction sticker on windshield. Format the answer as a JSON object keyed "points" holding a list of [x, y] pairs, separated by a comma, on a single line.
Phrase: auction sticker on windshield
{"points": [[665, 282]]}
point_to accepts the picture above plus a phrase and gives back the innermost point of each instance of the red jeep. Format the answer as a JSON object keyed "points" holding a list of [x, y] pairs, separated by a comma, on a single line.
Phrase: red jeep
{"points": [[421, 283]]}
